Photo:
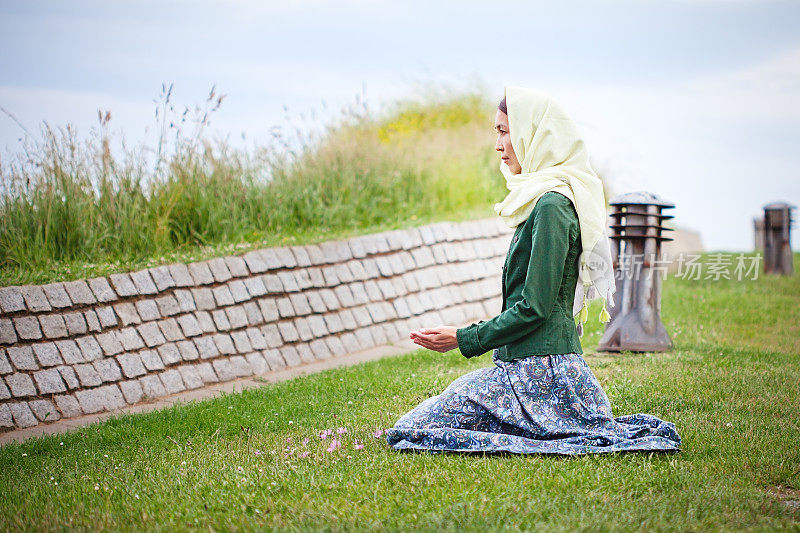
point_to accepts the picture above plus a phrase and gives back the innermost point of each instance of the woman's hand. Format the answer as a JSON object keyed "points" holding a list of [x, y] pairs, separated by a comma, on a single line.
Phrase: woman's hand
{"points": [[440, 339]]}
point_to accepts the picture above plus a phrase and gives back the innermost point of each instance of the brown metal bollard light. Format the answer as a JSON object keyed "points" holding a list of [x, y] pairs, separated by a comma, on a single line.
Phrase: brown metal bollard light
{"points": [[777, 242], [636, 237]]}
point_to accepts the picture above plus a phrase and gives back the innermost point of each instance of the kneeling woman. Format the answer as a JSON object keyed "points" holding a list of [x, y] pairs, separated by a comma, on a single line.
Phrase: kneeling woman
{"points": [[540, 396]]}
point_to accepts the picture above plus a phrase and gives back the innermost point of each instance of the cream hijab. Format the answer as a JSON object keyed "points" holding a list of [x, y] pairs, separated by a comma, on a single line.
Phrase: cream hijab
{"points": [[553, 157]]}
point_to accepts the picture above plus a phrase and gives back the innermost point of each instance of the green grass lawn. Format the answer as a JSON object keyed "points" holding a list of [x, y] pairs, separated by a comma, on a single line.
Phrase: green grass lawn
{"points": [[730, 386]]}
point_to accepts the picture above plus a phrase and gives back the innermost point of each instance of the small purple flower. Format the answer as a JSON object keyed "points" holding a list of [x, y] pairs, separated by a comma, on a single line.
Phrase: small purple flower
{"points": [[304, 454], [341, 430], [378, 433], [257, 452], [305, 441]]}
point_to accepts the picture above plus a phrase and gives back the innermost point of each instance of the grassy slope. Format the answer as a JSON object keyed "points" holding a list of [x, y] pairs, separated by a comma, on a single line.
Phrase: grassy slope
{"points": [[730, 386]]}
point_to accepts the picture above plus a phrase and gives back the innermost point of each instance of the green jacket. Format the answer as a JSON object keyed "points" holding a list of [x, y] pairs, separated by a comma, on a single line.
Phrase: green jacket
{"points": [[539, 277]]}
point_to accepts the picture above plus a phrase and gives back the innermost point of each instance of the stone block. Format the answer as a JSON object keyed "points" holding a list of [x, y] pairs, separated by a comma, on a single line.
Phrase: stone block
{"points": [[373, 292], [254, 317], [188, 350], [75, 323], [27, 327], [335, 345], [219, 269], [333, 322], [56, 295], [206, 322], [123, 285], [305, 353], [224, 344], [274, 359], [131, 364], [350, 342], [320, 349], [180, 275], [112, 397], [21, 385], [7, 333], [108, 369], [151, 334], [190, 376], [44, 410], [285, 307], [291, 356], [143, 282], [237, 316], [167, 305], [240, 366], [101, 289], [303, 279], [131, 391], [303, 329], [106, 316], [169, 353], [255, 262], [315, 302], [255, 286], [344, 295], [129, 339], [207, 373], [301, 256], [364, 338], [68, 405], [206, 347], [371, 268], [359, 292], [173, 383], [23, 416], [269, 309], [241, 341], [35, 299], [288, 281], [222, 295], [11, 299], [272, 335], [288, 331], [151, 360], [162, 278], [204, 298], [49, 381], [273, 283], [170, 329], [238, 290], [88, 375], [258, 365], [189, 325], [22, 357], [200, 273], [47, 354], [348, 319], [152, 386], [126, 311], [331, 276], [362, 316], [220, 318], [53, 326], [69, 377], [148, 310], [108, 342], [223, 369], [185, 300]]}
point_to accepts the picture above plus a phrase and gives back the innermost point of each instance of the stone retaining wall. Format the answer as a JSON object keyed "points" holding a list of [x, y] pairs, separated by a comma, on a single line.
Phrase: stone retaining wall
{"points": [[87, 346]]}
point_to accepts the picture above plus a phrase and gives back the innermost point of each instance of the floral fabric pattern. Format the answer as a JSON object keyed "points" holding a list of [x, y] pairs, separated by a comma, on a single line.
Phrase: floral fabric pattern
{"points": [[540, 404]]}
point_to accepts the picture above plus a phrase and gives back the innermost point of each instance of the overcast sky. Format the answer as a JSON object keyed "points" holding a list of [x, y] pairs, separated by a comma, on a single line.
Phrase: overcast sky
{"points": [[697, 101]]}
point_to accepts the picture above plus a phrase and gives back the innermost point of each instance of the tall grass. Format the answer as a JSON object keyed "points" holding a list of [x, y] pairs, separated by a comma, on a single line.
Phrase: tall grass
{"points": [[73, 207]]}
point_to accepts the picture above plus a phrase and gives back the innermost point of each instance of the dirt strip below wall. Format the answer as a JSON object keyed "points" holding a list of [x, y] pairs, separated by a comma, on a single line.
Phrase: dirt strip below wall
{"points": [[102, 345]]}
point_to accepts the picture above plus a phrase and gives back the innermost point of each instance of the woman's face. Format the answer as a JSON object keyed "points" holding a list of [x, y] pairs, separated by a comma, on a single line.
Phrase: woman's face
{"points": [[503, 144]]}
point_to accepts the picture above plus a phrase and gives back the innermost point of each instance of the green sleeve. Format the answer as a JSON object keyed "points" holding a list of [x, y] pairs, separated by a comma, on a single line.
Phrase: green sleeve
{"points": [[545, 269]]}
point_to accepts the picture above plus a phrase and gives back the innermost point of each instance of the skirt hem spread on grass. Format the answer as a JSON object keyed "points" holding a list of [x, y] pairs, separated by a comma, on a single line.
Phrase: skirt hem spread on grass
{"points": [[540, 404]]}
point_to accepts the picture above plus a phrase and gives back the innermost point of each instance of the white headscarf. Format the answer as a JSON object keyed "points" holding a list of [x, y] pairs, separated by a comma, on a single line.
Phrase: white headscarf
{"points": [[553, 157]]}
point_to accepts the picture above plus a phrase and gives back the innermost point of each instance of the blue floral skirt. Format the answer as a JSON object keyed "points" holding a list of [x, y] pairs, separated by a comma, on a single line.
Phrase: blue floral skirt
{"points": [[541, 404]]}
